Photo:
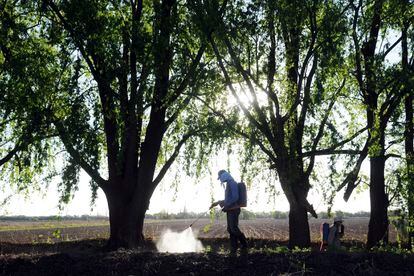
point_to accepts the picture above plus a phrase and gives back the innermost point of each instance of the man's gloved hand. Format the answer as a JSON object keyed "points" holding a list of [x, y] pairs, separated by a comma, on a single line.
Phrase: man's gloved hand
{"points": [[214, 204], [220, 202]]}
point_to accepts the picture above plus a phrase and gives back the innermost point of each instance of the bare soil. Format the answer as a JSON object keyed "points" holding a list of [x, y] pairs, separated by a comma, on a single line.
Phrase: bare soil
{"points": [[80, 251], [269, 229], [87, 257]]}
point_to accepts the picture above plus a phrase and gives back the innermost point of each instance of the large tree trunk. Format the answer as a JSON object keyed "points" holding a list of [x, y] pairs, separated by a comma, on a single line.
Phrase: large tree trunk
{"points": [[378, 223], [296, 189], [126, 226], [409, 134], [409, 155], [299, 234], [126, 219]]}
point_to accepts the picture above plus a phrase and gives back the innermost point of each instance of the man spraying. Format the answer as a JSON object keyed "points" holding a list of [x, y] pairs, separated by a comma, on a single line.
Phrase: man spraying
{"points": [[231, 206]]}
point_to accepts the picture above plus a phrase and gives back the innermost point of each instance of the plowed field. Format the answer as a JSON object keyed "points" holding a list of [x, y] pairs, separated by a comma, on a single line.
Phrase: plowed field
{"points": [[77, 248]]}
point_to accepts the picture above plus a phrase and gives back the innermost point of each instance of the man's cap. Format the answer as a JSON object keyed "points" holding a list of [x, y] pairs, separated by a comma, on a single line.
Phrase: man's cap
{"points": [[338, 219], [220, 172]]}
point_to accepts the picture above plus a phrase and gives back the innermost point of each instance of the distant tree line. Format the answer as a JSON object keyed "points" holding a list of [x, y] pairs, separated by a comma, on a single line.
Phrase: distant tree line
{"points": [[51, 218], [245, 215]]}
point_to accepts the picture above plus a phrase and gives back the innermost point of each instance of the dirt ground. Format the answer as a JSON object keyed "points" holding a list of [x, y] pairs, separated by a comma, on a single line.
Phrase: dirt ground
{"points": [[80, 251], [88, 258], [269, 229]]}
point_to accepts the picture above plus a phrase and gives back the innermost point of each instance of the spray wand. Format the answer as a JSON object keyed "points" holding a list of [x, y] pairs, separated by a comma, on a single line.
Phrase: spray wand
{"points": [[199, 217], [202, 214]]}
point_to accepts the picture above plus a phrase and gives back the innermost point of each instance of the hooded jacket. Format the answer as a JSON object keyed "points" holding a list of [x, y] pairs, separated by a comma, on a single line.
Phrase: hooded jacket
{"points": [[231, 195]]}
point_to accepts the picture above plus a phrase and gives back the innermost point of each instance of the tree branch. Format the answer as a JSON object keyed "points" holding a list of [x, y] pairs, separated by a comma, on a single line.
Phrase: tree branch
{"points": [[188, 76], [334, 147], [383, 55], [310, 52], [308, 56], [392, 155], [174, 116], [250, 117], [78, 43], [306, 97], [230, 125], [77, 157], [357, 48], [172, 158], [331, 152], [105, 92], [256, 106], [352, 176], [272, 96], [9, 155], [321, 129]]}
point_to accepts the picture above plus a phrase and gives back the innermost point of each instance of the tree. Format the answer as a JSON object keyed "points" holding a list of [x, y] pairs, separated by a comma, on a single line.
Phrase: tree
{"points": [[408, 70], [380, 86], [278, 80], [132, 68]]}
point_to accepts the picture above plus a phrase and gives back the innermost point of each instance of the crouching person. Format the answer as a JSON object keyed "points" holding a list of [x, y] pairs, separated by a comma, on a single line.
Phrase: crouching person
{"points": [[231, 207], [336, 232]]}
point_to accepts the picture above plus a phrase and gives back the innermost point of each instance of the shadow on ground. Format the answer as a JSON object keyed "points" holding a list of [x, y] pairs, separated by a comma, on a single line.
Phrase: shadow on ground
{"points": [[86, 257]]}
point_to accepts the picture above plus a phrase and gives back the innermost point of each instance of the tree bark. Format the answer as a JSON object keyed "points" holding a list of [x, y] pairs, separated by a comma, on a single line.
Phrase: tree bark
{"points": [[378, 222], [295, 186], [126, 219], [409, 155], [409, 135], [299, 234]]}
